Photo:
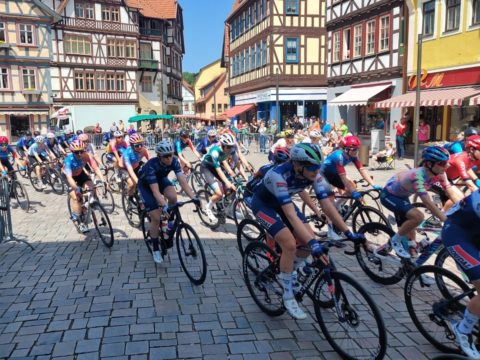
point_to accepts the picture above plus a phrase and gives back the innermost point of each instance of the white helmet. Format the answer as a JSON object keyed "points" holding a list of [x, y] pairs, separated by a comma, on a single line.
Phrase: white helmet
{"points": [[39, 139], [227, 139], [212, 132], [51, 135], [117, 134], [164, 147], [305, 152], [315, 134]]}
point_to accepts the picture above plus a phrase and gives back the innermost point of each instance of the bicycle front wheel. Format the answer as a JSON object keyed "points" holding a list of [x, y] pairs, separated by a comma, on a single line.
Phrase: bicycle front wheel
{"points": [[432, 307], [191, 254], [241, 211], [249, 231], [21, 195], [105, 198], [354, 326], [130, 209], [366, 215], [102, 224], [56, 182]]}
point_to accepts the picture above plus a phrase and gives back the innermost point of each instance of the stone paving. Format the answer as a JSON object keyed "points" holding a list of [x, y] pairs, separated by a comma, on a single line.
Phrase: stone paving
{"points": [[72, 298]]}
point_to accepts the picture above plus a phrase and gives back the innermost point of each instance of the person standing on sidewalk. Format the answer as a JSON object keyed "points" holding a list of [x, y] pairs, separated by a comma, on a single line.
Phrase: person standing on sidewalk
{"points": [[401, 129], [423, 132]]}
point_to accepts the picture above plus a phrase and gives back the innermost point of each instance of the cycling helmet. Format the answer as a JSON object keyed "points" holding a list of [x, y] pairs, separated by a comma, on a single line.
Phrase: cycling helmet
{"points": [[135, 139], [305, 152], [435, 154], [28, 133], [351, 141], [472, 142], [131, 131], [39, 139], [3, 140], [212, 132], [315, 134], [79, 132], [470, 131], [36, 133], [50, 135], [288, 134], [117, 134], [281, 154], [164, 147], [184, 133], [83, 137], [227, 139], [77, 145]]}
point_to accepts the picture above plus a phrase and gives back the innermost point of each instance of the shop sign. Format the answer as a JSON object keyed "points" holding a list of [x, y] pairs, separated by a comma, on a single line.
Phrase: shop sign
{"points": [[436, 80], [262, 97]]}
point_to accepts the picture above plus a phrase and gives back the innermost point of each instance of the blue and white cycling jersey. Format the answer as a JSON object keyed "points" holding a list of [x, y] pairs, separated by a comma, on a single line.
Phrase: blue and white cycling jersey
{"points": [[37, 149], [23, 142]]}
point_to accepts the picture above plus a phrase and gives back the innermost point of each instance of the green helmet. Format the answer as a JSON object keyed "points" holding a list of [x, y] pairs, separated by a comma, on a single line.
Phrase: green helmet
{"points": [[305, 152]]}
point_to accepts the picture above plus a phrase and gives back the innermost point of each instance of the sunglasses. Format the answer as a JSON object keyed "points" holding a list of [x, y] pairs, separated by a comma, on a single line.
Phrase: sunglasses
{"points": [[167, 156], [78, 152], [138, 146], [442, 163], [312, 168], [4, 144], [228, 146]]}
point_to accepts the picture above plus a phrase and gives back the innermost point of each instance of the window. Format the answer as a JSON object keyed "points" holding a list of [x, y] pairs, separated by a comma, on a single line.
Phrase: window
{"points": [[252, 58], [292, 50], [336, 46], [247, 59], [3, 34], [247, 19], [475, 12], [258, 55], [147, 84], [264, 52], [130, 49], [84, 10], [370, 38], [250, 13], [262, 9], [357, 40], [120, 82], [242, 23], [121, 49], [78, 45], [79, 82], [242, 64], [453, 15], [4, 83], [346, 44], [213, 108], [89, 81], [219, 107], [26, 34], [385, 33], [429, 18], [255, 10], [291, 7], [29, 77], [100, 82], [110, 13], [110, 82], [225, 107]]}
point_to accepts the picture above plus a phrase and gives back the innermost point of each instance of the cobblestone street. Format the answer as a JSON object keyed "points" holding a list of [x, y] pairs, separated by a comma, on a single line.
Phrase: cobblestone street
{"points": [[72, 297]]}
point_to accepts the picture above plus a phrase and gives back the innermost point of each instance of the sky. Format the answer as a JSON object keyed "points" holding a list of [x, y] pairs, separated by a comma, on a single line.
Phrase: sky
{"points": [[204, 26]]}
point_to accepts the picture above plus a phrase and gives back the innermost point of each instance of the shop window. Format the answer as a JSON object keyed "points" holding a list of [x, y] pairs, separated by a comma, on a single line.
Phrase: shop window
{"points": [[452, 21], [475, 12], [370, 45], [384, 33], [336, 46], [461, 118], [19, 124], [429, 18], [292, 50], [357, 37], [291, 7]]}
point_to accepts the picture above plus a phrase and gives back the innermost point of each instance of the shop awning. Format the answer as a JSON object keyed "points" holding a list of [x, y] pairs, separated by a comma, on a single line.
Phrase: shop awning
{"points": [[475, 100], [358, 96], [138, 118], [23, 113], [441, 97], [237, 110]]}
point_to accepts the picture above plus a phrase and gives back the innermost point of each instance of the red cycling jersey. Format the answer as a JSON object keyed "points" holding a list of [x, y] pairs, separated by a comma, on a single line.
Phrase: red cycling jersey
{"points": [[458, 166]]}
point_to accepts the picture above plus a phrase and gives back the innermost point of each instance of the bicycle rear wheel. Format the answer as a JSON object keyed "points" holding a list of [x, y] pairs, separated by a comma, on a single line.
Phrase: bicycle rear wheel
{"points": [[204, 197], [191, 254], [260, 270], [377, 258], [21, 195], [145, 223], [23, 173], [36, 184], [196, 181], [249, 231], [130, 210], [445, 260], [354, 327], [56, 182], [432, 308], [102, 224], [112, 180]]}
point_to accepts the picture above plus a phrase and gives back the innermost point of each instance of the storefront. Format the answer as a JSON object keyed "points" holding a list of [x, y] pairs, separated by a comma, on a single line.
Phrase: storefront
{"points": [[445, 101], [16, 122]]}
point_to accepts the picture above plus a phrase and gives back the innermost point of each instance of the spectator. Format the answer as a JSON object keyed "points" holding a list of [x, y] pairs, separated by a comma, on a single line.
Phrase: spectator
{"points": [[121, 126], [273, 127], [383, 154], [97, 129], [113, 128], [326, 129], [423, 132], [401, 131], [380, 124], [97, 135], [343, 128], [262, 136]]}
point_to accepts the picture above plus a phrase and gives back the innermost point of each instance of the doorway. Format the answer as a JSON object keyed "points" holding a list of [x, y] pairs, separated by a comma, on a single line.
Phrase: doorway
{"points": [[19, 124], [433, 116]]}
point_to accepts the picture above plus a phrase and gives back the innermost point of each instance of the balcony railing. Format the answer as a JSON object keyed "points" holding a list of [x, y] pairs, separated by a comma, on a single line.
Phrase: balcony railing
{"points": [[148, 64], [94, 25], [105, 95], [151, 32]]}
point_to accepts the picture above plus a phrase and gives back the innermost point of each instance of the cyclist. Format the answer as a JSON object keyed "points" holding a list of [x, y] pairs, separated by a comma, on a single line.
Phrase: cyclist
{"points": [[211, 169], [458, 146], [77, 178], [114, 151], [132, 160], [24, 143], [5, 152], [313, 137], [460, 235], [182, 142], [286, 139], [395, 195], [89, 148], [65, 139], [156, 189], [54, 146], [274, 209], [37, 154], [207, 141], [461, 164]]}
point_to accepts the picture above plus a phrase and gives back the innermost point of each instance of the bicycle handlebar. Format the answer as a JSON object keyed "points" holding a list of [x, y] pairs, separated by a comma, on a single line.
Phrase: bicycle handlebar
{"points": [[180, 204], [365, 192]]}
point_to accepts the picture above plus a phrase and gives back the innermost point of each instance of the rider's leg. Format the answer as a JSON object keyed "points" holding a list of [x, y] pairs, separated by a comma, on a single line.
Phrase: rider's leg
{"points": [[130, 187]]}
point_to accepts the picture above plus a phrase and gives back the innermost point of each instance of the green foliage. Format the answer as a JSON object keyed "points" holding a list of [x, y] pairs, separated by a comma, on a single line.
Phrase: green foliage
{"points": [[189, 77]]}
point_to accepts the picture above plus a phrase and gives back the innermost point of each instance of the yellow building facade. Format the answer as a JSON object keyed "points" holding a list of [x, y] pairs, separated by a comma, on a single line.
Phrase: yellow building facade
{"points": [[25, 55]]}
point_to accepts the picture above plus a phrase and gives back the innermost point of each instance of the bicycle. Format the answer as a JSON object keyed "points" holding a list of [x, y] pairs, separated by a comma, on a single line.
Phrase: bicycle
{"points": [[104, 195], [433, 308], [93, 211], [343, 309], [131, 205], [188, 244], [18, 191], [48, 175]]}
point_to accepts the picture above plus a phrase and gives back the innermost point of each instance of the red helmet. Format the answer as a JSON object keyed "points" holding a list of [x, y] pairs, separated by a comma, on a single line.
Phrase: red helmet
{"points": [[472, 142], [351, 142], [3, 140], [281, 154]]}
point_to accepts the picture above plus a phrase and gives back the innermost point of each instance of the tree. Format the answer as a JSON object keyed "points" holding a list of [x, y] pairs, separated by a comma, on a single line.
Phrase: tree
{"points": [[189, 77]]}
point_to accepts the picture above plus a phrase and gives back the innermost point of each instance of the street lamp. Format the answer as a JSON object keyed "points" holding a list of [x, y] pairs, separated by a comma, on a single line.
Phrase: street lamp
{"points": [[277, 107]]}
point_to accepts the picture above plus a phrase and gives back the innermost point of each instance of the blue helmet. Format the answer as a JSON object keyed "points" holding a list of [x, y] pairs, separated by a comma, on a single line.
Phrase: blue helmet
{"points": [[435, 154]]}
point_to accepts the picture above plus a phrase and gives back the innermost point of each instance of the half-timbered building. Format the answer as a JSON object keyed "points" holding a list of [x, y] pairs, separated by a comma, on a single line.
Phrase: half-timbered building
{"points": [[277, 42], [25, 55], [365, 61]]}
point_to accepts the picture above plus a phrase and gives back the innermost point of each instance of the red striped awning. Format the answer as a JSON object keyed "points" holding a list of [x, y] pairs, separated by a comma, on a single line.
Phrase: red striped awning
{"points": [[441, 97], [237, 110], [475, 100]]}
